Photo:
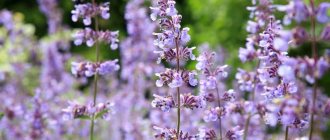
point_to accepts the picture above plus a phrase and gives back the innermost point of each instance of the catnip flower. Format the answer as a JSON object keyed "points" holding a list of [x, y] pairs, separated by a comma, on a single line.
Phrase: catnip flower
{"points": [[176, 79], [88, 10], [322, 12], [164, 103], [326, 33], [88, 69], [75, 110], [235, 133], [296, 10], [90, 36]]}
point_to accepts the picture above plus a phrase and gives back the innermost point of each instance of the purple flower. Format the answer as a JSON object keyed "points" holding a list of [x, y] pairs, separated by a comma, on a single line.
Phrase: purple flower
{"points": [[185, 37], [88, 10], [252, 27], [90, 37], [88, 69], [176, 81], [229, 95], [108, 67], [213, 114], [281, 44], [164, 103], [271, 119], [322, 12], [296, 10], [326, 33], [287, 72], [192, 80], [171, 11], [235, 133], [204, 134], [247, 54]]}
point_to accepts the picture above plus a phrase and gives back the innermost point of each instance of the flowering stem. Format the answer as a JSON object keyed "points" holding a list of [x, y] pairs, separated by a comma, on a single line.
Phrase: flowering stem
{"points": [[97, 52], [178, 89], [314, 51], [286, 132], [219, 104], [246, 127]]}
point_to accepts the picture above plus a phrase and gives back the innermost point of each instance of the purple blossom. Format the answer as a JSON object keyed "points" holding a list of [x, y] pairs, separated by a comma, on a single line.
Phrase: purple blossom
{"points": [[205, 134], [90, 37], [213, 114], [296, 10], [88, 69], [322, 12], [87, 11], [176, 79], [326, 33], [235, 133], [191, 101], [108, 67], [164, 103]]}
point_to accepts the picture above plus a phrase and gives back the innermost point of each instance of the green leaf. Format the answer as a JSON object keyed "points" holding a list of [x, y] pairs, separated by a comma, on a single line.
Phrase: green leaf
{"points": [[83, 117], [1, 115], [100, 114]]}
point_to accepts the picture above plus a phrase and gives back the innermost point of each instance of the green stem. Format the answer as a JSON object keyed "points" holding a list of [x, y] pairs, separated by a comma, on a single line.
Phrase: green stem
{"points": [[246, 127], [286, 132], [314, 51], [178, 89], [97, 53], [219, 104]]}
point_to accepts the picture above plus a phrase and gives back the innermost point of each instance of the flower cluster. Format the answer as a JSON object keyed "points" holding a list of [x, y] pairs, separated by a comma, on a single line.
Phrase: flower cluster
{"points": [[87, 11], [75, 110], [90, 37], [88, 69], [175, 79]]}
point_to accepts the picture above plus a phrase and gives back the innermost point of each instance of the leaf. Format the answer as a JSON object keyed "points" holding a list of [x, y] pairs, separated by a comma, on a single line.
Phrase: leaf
{"points": [[1, 115], [100, 114], [83, 117]]}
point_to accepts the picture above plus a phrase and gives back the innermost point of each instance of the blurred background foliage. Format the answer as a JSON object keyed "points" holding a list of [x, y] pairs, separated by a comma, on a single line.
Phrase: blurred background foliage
{"points": [[216, 22]]}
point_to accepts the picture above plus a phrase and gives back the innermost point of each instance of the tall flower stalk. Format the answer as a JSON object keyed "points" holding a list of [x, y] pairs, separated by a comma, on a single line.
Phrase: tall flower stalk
{"points": [[87, 11], [315, 57], [172, 41]]}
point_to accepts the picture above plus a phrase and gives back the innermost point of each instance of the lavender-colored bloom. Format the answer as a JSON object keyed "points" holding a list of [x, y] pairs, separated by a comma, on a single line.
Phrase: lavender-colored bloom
{"points": [[164, 103], [192, 80], [287, 72], [88, 10], [90, 37], [213, 114], [252, 27], [53, 13], [108, 67], [191, 101], [176, 81], [296, 10], [281, 44], [247, 54], [299, 35], [88, 69], [229, 95], [322, 12], [7, 19], [326, 33], [73, 111], [245, 80], [271, 119], [234, 134], [205, 134]]}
